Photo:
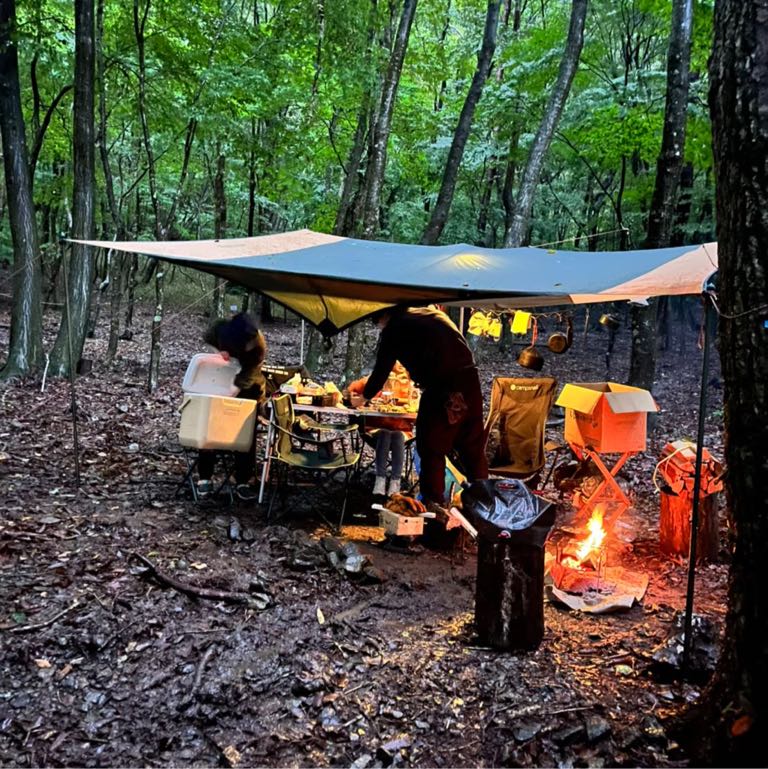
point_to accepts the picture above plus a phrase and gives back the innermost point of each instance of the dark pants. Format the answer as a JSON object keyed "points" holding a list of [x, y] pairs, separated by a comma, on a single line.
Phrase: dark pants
{"points": [[244, 465], [436, 438]]}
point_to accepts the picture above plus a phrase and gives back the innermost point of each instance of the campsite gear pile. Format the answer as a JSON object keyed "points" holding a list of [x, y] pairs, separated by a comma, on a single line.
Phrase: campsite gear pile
{"points": [[677, 469]]}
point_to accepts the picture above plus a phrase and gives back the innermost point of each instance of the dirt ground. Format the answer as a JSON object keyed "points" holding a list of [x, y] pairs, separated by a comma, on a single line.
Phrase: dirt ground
{"points": [[102, 666]]}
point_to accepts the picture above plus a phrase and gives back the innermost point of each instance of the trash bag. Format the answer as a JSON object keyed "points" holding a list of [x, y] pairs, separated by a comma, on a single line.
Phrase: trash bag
{"points": [[507, 508]]}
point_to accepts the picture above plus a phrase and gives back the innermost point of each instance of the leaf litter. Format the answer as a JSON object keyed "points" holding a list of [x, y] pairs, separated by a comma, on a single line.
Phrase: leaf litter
{"points": [[264, 650]]}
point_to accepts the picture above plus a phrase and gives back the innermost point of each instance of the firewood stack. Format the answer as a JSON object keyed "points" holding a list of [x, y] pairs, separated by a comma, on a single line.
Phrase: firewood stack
{"points": [[677, 469]]}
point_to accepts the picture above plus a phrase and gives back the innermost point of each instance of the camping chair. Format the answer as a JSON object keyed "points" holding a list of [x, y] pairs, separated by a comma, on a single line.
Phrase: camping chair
{"points": [[516, 424], [302, 455]]}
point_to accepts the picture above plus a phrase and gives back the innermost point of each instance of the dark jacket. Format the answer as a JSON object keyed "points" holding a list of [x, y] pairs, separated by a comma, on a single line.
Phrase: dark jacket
{"points": [[427, 343], [241, 338]]}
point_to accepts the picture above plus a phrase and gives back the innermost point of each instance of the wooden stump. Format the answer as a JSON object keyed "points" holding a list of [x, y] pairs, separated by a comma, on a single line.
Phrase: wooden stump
{"points": [[509, 601], [675, 526]]}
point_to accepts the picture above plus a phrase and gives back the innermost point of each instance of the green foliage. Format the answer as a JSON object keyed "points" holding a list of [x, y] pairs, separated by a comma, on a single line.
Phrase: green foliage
{"points": [[278, 88]]}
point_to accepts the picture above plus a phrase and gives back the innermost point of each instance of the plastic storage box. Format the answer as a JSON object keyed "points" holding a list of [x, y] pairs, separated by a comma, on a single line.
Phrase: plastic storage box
{"points": [[216, 422], [210, 417]]}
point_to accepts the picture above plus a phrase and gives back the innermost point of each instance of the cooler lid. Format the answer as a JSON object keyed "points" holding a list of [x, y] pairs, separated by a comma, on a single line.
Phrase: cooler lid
{"points": [[211, 374]]}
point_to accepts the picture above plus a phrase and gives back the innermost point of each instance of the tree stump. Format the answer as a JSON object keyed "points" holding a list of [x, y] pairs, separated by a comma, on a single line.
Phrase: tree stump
{"points": [[509, 600], [675, 526]]}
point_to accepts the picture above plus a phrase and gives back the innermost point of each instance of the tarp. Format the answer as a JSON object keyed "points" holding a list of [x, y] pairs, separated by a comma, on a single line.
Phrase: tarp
{"points": [[333, 282]]}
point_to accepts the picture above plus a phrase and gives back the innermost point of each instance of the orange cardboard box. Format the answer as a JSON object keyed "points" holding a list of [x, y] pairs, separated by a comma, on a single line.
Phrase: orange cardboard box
{"points": [[606, 416]]}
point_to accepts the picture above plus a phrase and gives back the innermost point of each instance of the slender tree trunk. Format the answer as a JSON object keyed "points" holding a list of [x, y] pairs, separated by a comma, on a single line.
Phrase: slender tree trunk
{"points": [[219, 226], [81, 263], [661, 219], [344, 215], [729, 723], [517, 229], [26, 348], [383, 124], [442, 206], [118, 261]]}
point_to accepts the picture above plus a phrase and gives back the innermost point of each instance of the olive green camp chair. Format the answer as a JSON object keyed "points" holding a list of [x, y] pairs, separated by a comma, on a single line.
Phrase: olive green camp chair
{"points": [[297, 456]]}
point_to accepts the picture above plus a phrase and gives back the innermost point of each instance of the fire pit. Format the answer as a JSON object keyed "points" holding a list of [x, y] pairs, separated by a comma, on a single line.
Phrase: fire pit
{"points": [[579, 576]]}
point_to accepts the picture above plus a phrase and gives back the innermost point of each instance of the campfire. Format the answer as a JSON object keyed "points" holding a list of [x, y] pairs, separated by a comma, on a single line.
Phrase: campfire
{"points": [[591, 549], [579, 575]]}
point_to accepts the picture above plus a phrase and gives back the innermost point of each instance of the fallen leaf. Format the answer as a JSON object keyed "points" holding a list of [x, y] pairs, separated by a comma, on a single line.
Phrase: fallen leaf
{"points": [[232, 754], [42, 663], [741, 726], [198, 565], [320, 616]]}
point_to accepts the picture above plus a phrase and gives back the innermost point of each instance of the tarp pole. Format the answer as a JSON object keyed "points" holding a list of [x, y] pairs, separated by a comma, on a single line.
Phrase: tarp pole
{"points": [[461, 319], [301, 352], [688, 623]]}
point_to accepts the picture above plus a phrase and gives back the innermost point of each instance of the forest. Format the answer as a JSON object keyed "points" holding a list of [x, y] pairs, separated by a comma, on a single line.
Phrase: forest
{"points": [[587, 125]]}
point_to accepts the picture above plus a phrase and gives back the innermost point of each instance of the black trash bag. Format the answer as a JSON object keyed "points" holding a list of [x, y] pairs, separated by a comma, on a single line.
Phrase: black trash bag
{"points": [[507, 508]]}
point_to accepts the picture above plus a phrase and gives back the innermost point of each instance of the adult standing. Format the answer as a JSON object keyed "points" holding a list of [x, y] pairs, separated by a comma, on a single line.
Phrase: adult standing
{"points": [[450, 417]]}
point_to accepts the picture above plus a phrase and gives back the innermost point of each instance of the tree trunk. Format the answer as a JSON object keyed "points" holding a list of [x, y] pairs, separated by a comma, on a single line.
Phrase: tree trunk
{"points": [[219, 227], [344, 215], [661, 219], [353, 360], [81, 263], [517, 229], [445, 197], [378, 160], [728, 726], [26, 347]]}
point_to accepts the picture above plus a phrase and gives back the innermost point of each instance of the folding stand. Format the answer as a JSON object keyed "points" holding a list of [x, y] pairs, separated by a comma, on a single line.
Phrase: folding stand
{"points": [[608, 491], [226, 458]]}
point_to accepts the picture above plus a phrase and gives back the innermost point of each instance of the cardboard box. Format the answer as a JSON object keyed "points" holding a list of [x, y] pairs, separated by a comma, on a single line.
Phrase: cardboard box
{"points": [[608, 417], [401, 525], [216, 422]]}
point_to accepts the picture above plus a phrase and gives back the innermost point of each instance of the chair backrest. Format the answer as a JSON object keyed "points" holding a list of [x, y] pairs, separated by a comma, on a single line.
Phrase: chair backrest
{"points": [[516, 423], [282, 413]]}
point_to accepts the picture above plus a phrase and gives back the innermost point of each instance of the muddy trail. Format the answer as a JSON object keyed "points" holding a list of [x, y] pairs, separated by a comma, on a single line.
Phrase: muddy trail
{"points": [[286, 661]]}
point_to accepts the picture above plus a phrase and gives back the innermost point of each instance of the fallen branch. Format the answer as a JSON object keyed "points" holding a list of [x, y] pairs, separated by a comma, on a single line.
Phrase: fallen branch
{"points": [[40, 625], [243, 599], [198, 677]]}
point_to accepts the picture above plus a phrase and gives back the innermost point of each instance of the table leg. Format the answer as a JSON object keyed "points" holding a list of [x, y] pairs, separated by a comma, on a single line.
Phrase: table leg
{"points": [[267, 460]]}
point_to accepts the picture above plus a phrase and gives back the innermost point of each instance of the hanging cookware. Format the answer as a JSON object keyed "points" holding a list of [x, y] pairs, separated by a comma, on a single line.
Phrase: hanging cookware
{"points": [[559, 342], [611, 322], [530, 357]]}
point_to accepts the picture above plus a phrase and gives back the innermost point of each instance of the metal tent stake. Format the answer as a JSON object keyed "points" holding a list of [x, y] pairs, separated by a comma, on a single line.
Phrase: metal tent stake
{"points": [[688, 623]]}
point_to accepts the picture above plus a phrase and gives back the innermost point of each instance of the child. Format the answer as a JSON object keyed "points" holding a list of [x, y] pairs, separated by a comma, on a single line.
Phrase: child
{"points": [[390, 433], [239, 338]]}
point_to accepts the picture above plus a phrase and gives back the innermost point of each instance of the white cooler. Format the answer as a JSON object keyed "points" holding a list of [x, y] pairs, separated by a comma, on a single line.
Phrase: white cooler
{"points": [[210, 417]]}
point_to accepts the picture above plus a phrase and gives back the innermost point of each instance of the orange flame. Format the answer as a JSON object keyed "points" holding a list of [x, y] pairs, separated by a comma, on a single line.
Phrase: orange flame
{"points": [[593, 541]]}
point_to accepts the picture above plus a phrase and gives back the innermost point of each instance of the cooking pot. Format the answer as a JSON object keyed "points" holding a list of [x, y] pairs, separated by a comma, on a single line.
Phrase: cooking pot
{"points": [[611, 322], [531, 358], [559, 342]]}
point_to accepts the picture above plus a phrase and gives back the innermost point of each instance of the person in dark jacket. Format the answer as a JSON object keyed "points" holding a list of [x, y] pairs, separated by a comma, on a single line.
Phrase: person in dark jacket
{"points": [[239, 337], [450, 417]]}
